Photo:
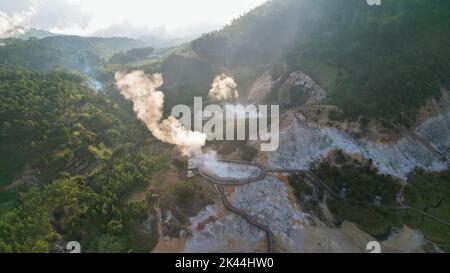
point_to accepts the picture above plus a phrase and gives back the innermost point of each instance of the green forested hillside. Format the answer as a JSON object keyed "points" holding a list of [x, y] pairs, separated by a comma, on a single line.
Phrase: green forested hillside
{"points": [[83, 161], [62, 52], [51, 119], [37, 33], [132, 55], [70, 157], [380, 62]]}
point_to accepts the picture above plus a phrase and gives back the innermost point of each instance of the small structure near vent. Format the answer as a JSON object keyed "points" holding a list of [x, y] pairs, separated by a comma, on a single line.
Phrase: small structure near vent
{"points": [[190, 169]]}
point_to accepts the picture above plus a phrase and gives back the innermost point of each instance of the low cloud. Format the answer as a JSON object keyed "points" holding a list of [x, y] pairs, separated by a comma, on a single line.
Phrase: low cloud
{"points": [[130, 18], [52, 15], [13, 25]]}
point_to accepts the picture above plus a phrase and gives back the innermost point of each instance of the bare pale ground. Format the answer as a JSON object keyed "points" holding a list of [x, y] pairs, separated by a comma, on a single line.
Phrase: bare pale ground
{"points": [[303, 143], [260, 89], [216, 230], [273, 203], [347, 239], [406, 241], [170, 245], [433, 108], [228, 233]]}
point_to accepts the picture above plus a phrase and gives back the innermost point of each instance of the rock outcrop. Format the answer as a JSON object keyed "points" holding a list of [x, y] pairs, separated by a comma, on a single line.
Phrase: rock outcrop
{"points": [[300, 89], [303, 143]]}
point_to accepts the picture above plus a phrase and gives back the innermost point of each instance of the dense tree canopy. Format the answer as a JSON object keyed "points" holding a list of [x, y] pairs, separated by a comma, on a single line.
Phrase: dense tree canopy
{"points": [[63, 52], [84, 162], [379, 62]]}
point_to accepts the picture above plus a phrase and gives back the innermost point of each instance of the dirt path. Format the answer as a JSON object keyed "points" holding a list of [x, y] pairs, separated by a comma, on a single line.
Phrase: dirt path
{"points": [[158, 219]]}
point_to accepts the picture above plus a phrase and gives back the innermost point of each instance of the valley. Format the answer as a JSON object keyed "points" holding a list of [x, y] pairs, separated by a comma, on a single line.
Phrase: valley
{"points": [[90, 152]]}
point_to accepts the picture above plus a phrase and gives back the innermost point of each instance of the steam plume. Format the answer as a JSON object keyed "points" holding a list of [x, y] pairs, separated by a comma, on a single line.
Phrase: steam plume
{"points": [[223, 89], [148, 105], [11, 26]]}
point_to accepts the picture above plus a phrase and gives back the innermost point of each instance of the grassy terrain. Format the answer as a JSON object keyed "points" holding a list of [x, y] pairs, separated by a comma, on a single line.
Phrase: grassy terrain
{"points": [[362, 183], [431, 192], [425, 191]]}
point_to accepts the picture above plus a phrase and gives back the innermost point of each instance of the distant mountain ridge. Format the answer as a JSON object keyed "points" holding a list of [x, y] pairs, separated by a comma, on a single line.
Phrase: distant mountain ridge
{"points": [[37, 33], [62, 52], [380, 62], [149, 40]]}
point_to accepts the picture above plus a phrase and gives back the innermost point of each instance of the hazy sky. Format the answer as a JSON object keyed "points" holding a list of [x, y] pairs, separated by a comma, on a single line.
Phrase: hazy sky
{"points": [[133, 18]]}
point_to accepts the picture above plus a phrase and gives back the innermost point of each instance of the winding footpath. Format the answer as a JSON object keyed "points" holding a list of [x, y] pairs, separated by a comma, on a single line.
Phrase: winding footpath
{"points": [[251, 220], [312, 177], [220, 182]]}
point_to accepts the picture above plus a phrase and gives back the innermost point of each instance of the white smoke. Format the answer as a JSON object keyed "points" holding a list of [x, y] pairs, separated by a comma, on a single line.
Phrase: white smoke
{"points": [[209, 157], [223, 89], [149, 104], [14, 25]]}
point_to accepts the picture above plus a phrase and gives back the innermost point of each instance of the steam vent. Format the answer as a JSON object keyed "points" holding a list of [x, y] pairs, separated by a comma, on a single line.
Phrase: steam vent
{"points": [[232, 172]]}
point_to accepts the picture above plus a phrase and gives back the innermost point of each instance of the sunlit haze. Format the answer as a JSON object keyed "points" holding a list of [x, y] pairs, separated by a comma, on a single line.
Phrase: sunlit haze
{"points": [[132, 18]]}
